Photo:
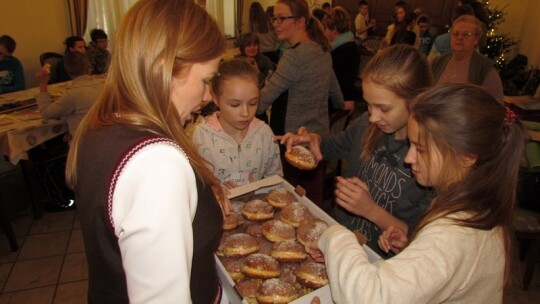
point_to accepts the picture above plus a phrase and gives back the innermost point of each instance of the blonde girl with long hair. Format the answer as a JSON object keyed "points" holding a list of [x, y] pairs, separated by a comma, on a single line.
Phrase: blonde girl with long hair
{"points": [[148, 212]]}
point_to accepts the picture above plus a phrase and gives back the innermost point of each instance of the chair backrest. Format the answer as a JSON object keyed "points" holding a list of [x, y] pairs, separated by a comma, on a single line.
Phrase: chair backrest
{"points": [[53, 59], [48, 55]]}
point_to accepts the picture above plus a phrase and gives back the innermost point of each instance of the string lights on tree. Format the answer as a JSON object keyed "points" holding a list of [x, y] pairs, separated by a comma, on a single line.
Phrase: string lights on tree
{"points": [[497, 44]]}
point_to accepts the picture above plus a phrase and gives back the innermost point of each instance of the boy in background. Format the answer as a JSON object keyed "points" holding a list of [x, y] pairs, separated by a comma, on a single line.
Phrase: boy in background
{"points": [[79, 96], [362, 22], [98, 54], [426, 39], [11, 70]]}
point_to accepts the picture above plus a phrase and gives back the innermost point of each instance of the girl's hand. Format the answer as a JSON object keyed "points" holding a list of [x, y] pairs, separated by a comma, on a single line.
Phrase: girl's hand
{"points": [[348, 106], [312, 140], [43, 75], [393, 239], [353, 195], [315, 253]]}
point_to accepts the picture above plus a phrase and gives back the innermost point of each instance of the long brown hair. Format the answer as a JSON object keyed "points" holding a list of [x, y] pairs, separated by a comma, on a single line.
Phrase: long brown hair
{"points": [[233, 68], [258, 20], [156, 41], [400, 69], [314, 28], [464, 120]]}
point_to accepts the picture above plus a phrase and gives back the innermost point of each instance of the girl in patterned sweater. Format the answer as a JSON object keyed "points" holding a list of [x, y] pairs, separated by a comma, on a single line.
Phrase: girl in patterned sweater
{"points": [[238, 147]]}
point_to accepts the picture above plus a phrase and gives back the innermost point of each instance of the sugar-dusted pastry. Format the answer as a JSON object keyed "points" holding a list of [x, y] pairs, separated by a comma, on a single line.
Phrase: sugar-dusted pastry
{"points": [[310, 230], [294, 213], [260, 266], [289, 252], [280, 197], [278, 231], [233, 267], [312, 275], [301, 157], [239, 245], [230, 222], [276, 291], [247, 288], [258, 210]]}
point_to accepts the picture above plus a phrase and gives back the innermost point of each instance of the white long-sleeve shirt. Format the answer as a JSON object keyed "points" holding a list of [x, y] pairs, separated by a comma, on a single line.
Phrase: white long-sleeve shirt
{"points": [[446, 263], [153, 217]]}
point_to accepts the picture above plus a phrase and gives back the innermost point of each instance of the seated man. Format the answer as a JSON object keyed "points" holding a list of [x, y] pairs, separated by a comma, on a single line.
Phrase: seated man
{"points": [[11, 70], [79, 96], [97, 51]]}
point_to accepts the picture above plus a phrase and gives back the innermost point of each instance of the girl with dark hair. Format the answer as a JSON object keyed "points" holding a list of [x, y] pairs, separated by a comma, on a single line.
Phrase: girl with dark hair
{"points": [[305, 72], [377, 189], [461, 140], [73, 44], [260, 25]]}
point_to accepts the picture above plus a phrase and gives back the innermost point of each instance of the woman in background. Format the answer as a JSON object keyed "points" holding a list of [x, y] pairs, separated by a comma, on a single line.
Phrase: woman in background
{"points": [[305, 74], [146, 200], [260, 25]]}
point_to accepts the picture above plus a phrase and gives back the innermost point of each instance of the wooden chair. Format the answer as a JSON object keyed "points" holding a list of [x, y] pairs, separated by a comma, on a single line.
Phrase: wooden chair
{"points": [[53, 59], [526, 225]]}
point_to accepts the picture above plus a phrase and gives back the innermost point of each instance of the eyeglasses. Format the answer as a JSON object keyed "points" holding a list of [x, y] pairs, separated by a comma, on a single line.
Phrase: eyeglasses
{"points": [[280, 19], [462, 34]]}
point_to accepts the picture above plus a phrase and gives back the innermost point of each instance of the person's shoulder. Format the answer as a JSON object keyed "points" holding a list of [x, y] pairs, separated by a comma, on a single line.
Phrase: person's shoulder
{"points": [[12, 60]]}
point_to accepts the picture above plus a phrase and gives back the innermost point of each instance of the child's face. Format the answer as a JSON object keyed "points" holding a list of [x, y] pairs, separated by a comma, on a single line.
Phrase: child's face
{"points": [[363, 9], [400, 14], [426, 164], [237, 103], [80, 46], [102, 43], [423, 27], [387, 111], [251, 50]]}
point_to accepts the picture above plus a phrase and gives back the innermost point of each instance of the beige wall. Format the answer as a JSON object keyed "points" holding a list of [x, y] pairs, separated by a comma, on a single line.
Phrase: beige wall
{"points": [[266, 3], [522, 22], [37, 26]]}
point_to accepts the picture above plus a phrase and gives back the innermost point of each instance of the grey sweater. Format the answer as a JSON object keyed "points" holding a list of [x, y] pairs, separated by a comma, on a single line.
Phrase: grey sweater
{"points": [[305, 70]]}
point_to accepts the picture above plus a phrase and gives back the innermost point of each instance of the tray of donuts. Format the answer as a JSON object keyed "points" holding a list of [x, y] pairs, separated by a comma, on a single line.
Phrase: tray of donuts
{"points": [[261, 257]]}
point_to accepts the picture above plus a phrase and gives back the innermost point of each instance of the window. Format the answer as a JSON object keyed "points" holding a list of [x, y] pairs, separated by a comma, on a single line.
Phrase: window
{"points": [[106, 15]]}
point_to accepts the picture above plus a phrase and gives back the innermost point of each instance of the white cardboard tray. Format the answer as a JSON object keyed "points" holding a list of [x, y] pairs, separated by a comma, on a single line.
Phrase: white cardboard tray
{"points": [[263, 186]]}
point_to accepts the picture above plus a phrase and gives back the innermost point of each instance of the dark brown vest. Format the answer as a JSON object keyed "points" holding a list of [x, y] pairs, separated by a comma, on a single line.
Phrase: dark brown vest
{"points": [[101, 154]]}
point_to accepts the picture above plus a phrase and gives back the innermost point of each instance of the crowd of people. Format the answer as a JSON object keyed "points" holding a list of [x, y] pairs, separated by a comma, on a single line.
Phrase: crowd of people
{"points": [[420, 181]]}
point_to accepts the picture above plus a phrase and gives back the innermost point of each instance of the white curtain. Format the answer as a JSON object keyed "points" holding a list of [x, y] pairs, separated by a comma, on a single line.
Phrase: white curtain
{"points": [[224, 11], [106, 15]]}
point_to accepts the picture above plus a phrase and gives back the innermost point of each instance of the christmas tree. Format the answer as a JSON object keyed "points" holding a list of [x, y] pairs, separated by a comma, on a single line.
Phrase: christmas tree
{"points": [[497, 44]]}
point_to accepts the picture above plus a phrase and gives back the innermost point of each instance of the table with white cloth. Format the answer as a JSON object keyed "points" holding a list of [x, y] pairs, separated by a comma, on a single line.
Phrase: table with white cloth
{"points": [[23, 128]]}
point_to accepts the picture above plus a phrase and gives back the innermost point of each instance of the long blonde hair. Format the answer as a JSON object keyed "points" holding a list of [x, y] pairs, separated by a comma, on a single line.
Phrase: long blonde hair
{"points": [[402, 70], [156, 41]]}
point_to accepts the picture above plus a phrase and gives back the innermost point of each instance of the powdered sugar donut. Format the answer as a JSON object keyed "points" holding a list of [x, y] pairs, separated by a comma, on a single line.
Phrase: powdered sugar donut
{"points": [[301, 158]]}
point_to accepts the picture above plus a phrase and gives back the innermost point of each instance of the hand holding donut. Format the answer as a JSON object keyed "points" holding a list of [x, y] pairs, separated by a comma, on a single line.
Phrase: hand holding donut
{"points": [[302, 138], [393, 239]]}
